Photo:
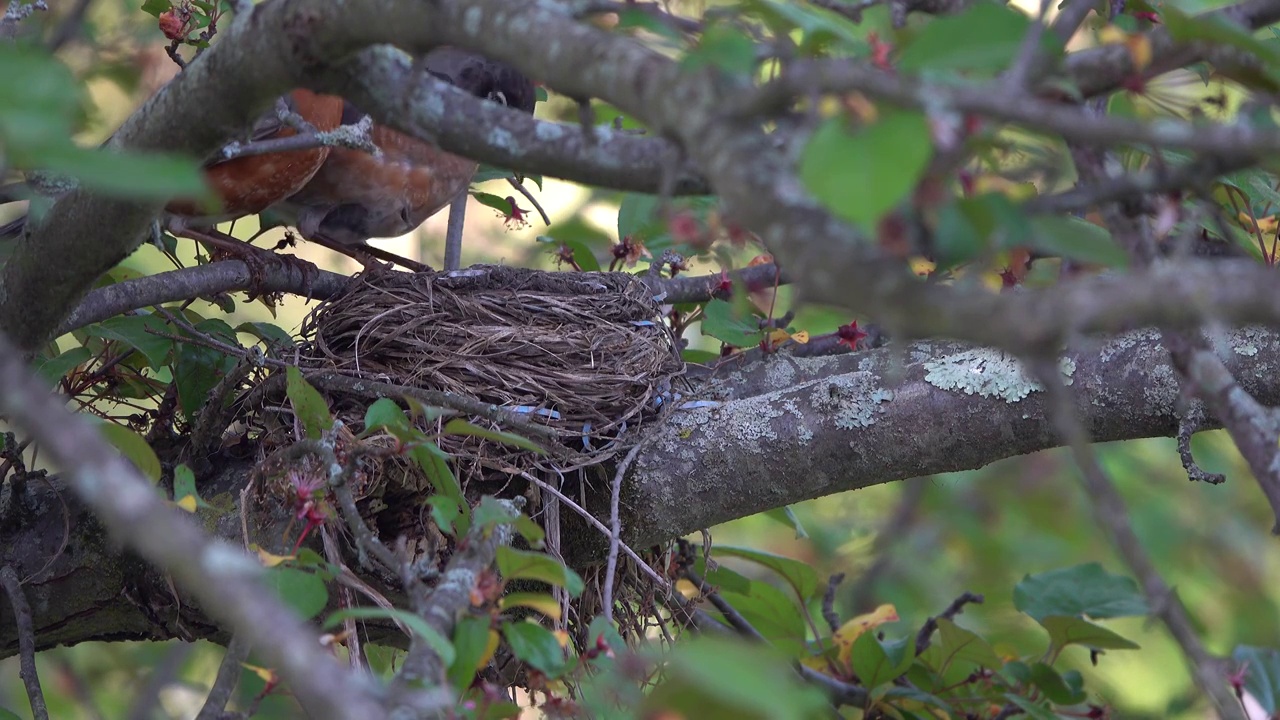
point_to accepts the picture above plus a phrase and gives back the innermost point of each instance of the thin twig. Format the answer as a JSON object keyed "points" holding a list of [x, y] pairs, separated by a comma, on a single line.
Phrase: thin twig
{"points": [[1021, 73], [829, 602], [581, 511], [615, 528], [26, 642], [520, 188], [354, 137], [930, 625], [1189, 423], [224, 685]]}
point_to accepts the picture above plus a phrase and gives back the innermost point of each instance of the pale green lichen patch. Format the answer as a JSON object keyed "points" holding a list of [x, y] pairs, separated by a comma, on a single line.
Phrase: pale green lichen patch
{"points": [[852, 400], [1068, 368], [981, 371]]}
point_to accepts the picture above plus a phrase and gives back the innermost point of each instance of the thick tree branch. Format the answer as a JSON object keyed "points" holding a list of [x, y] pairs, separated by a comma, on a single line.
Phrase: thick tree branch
{"points": [[841, 423], [380, 80]]}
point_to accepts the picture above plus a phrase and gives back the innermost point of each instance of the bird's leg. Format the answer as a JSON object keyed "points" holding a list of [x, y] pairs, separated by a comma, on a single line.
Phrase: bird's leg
{"points": [[453, 235], [367, 255]]}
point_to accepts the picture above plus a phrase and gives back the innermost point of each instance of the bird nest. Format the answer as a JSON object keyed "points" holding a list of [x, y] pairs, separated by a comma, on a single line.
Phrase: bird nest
{"points": [[576, 362]]}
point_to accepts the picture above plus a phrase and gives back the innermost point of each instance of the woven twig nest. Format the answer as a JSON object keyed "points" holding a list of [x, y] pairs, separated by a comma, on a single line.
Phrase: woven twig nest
{"points": [[583, 358]]}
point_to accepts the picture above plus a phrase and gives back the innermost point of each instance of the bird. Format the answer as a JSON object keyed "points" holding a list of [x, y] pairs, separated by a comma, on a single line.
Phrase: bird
{"points": [[249, 184], [357, 195]]}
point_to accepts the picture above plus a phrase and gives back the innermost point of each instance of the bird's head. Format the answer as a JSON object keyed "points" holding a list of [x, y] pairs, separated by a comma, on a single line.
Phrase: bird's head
{"points": [[486, 79]]}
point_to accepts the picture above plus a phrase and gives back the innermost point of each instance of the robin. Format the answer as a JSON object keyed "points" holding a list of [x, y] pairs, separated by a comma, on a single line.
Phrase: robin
{"points": [[356, 196], [250, 184]]}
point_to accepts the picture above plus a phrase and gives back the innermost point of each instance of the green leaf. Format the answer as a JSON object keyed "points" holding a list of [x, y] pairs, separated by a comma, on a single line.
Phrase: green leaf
{"points": [[303, 591], [957, 643], [1217, 30], [308, 404], [712, 678], [470, 638], [132, 446], [458, 426], [860, 176], [134, 175], [437, 642], [984, 41], [1082, 590], [385, 414], [723, 46], [490, 513], [699, 357], [1065, 630], [873, 665], [1034, 710], [496, 202], [1261, 667], [432, 460], [270, 334], [155, 8], [531, 531], [537, 646], [638, 216], [725, 579], [383, 660], [1055, 686], [969, 227], [801, 576], [786, 516], [519, 564], [444, 512], [774, 613], [722, 322], [137, 332], [184, 485], [821, 27], [1077, 239], [197, 369], [53, 369], [426, 413], [6, 714]]}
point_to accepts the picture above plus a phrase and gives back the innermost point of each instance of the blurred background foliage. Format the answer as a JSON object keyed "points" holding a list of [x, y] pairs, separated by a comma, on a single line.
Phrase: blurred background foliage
{"points": [[916, 544]]}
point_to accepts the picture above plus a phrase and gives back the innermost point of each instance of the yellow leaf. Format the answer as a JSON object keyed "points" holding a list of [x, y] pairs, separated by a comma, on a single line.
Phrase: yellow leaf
{"points": [[1112, 35], [993, 281], [563, 637], [851, 630], [268, 559], [801, 337], [687, 589], [778, 336], [489, 649], [922, 266], [541, 602], [267, 674], [187, 502], [1139, 49], [859, 107]]}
